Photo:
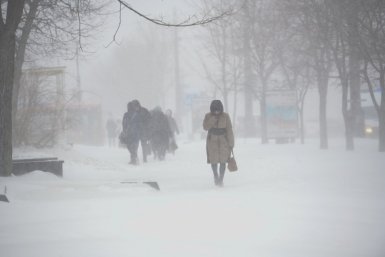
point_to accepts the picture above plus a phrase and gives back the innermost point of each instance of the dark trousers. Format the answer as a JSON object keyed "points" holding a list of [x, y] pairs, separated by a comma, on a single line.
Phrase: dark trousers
{"points": [[133, 149], [218, 178], [145, 148]]}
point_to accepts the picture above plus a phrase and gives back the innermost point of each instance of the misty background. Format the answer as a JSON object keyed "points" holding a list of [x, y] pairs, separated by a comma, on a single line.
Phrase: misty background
{"points": [[296, 77], [141, 65], [283, 70]]}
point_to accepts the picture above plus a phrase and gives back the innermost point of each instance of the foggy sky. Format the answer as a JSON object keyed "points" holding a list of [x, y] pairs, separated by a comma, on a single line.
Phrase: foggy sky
{"points": [[140, 65]]}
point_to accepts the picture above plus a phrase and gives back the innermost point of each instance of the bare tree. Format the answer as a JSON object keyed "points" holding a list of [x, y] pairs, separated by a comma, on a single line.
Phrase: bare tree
{"points": [[314, 23], [11, 13], [372, 37], [340, 47], [222, 44], [266, 39], [297, 74], [248, 78], [49, 28], [205, 18]]}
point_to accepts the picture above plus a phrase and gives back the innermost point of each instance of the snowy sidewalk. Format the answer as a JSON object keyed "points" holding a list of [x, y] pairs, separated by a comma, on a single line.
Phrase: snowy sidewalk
{"points": [[286, 200]]}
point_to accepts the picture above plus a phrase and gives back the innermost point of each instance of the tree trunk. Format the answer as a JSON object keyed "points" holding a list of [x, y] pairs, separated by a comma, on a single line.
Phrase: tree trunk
{"points": [[234, 119], [347, 113], [264, 138], [381, 115], [248, 77], [7, 55], [249, 118], [179, 110], [7, 66], [349, 130], [235, 102], [322, 88], [302, 124], [381, 123], [355, 95]]}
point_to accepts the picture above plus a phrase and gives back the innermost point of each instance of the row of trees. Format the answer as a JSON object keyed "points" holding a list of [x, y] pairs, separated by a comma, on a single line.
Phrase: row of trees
{"points": [[308, 41], [37, 28], [301, 43]]}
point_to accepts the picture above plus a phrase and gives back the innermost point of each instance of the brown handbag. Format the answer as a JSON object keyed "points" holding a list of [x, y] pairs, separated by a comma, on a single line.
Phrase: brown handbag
{"points": [[232, 164]]}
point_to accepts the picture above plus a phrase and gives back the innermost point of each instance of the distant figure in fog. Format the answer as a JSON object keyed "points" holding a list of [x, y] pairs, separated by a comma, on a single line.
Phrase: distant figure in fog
{"points": [[220, 139], [174, 129], [160, 133], [112, 131]]}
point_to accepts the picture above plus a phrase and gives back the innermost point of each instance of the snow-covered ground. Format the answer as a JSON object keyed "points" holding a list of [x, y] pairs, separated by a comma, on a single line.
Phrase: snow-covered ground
{"points": [[285, 201]]}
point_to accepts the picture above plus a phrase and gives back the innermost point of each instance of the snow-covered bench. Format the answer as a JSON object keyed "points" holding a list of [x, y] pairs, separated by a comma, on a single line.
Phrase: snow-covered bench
{"points": [[52, 165]]}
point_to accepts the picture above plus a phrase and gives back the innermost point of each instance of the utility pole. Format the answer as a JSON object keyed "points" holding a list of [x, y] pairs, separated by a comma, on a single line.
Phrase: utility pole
{"points": [[248, 88], [78, 81], [178, 86]]}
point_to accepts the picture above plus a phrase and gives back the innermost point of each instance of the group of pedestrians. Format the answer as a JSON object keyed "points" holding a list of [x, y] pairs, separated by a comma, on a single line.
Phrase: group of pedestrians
{"points": [[153, 130]]}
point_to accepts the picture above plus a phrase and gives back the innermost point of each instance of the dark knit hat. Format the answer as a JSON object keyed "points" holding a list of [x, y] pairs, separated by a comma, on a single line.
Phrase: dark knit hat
{"points": [[216, 105], [135, 103]]}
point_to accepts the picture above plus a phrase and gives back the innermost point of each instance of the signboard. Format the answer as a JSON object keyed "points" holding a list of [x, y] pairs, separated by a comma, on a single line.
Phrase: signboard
{"points": [[281, 114]]}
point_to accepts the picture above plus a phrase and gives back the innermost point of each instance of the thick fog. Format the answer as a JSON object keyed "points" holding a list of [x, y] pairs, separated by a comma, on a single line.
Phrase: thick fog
{"points": [[180, 128], [141, 64], [304, 69]]}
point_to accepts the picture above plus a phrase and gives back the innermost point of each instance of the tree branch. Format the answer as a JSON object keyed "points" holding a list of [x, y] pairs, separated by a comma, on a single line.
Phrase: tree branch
{"points": [[79, 25], [14, 13], [117, 29], [186, 23], [370, 87], [1, 16]]}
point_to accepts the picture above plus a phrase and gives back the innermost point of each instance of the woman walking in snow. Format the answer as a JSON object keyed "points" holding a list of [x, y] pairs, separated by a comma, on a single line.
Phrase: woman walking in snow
{"points": [[220, 139]]}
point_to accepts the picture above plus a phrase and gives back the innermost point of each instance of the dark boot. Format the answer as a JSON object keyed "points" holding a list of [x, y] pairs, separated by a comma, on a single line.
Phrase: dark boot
{"points": [[134, 161], [222, 169], [214, 167]]}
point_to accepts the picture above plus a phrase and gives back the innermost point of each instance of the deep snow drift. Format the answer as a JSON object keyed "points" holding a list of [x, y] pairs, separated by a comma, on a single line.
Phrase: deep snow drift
{"points": [[285, 200]]}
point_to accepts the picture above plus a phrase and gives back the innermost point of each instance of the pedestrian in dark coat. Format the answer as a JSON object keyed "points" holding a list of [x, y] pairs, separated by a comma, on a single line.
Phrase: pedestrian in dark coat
{"points": [[220, 139], [144, 117], [130, 134], [160, 133]]}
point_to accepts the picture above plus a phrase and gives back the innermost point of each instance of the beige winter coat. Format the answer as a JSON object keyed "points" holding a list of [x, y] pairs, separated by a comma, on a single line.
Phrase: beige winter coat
{"points": [[218, 146]]}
